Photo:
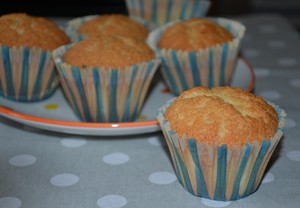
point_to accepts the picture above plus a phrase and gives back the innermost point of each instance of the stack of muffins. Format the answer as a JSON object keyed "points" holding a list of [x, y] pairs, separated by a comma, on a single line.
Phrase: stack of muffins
{"points": [[107, 71], [220, 138]]}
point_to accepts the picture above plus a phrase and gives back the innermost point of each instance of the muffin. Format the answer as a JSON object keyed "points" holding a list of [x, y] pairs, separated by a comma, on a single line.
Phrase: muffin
{"points": [[221, 140], [110, 24], [163, 11], [194, 35], [197, 52], [106, 78], [28, 72]]}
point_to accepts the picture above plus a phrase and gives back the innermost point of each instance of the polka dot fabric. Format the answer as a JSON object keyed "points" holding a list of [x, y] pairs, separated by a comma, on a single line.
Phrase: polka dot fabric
{"points": [[44, 169], [10, 202]]}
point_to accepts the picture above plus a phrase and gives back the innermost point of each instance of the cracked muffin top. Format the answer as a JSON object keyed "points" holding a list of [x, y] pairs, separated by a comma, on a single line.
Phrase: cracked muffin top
{"points": [[194, 34], [114, 24], [20, 29], [108, 52], [222, 115]]}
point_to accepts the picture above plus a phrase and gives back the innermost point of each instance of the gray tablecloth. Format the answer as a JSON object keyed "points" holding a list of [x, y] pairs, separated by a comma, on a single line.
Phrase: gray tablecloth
{"points": [[40, 169]]}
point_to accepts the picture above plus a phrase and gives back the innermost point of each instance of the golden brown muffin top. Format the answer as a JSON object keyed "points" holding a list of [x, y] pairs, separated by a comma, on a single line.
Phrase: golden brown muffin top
{"points": [[194, 34], [108, 52], [114, 24], [20, 29], [222, 115]]}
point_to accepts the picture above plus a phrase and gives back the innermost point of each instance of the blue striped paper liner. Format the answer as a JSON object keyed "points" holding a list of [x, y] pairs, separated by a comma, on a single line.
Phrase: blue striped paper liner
{"points": [[209, 67], [239, 171], [162, 11], [74, 24], [26, 74], [105, 95]]}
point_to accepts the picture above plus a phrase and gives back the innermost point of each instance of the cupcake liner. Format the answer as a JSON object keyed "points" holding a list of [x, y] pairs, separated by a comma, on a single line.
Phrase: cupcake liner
{"points": [[218, 172], [74, 25], [163, 11], [209, 67], [26, 74], [105, 95]]}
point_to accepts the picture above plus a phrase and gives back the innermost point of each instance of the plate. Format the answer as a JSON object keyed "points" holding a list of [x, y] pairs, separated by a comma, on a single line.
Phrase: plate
{"points": [[55, 114]]}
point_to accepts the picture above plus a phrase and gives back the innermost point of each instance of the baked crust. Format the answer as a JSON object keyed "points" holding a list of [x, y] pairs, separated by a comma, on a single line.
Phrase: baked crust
{"points": [[108, 52], [222, 115], [20, 29], [114, 24], [194, 34]]}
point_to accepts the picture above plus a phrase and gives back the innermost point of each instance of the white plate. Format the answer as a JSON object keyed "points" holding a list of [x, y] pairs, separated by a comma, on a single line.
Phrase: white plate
{"points": [[54, 114]]}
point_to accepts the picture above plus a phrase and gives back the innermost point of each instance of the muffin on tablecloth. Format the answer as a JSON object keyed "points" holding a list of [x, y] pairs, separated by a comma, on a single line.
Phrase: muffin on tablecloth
{"points": [[27, 72], [109, 24], [221, 140], [197, 52], [106, 78], [163, 11]]}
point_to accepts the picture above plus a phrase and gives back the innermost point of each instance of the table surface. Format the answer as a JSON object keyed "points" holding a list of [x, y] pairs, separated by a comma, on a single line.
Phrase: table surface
{"points": [[51, 170]]}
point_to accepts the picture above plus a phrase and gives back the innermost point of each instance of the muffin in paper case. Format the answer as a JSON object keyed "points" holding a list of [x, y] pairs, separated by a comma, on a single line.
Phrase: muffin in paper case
{"points": [[105, 95], [218, 172], [26, 74], [208, 67], [74, 24], [163, 11]]}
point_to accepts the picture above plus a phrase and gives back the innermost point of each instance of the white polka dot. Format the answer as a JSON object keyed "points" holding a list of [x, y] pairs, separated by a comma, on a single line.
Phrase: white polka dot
{"points": [[64, 179], [116, 158], [287, 61], [156, 141], [295, 82], [213, 203], [250, 52], [277, 43], [10, 202], [22, 160], [112, 201], [270, 95], [267, 28], [290, 123], [73, 143], [294, 155], [262, 72], [269, 177], [162, 178]]}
